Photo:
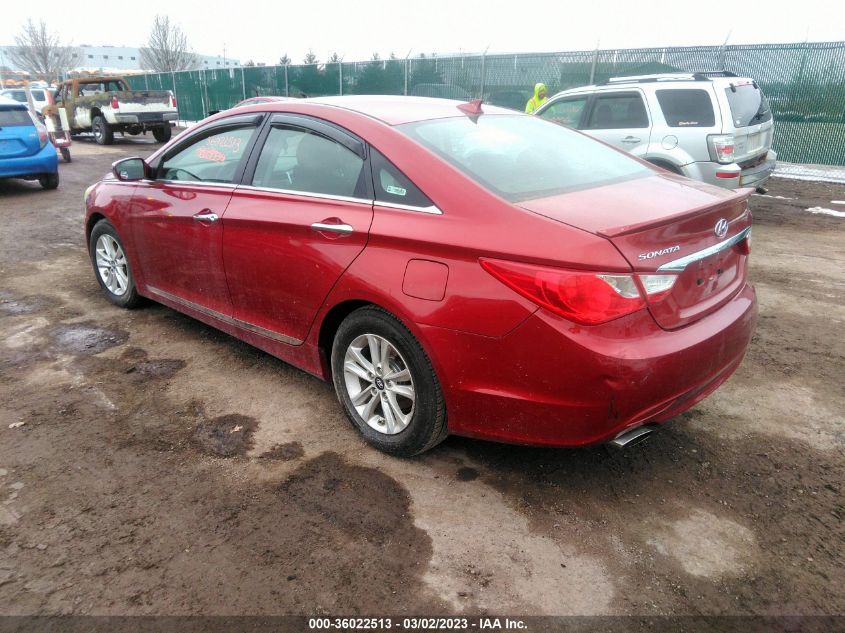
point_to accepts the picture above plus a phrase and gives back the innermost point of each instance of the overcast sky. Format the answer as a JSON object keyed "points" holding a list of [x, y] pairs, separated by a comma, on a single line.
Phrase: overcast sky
{"points": [[263, 31]]}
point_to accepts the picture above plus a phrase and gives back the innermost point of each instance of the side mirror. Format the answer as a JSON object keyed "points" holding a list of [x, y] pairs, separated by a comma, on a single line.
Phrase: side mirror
{"points": [[129, 169]]}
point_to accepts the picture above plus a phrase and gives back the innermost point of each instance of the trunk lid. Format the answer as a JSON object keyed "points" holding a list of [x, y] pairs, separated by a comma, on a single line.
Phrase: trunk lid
{"points": [[18, 136], [661, 219]]}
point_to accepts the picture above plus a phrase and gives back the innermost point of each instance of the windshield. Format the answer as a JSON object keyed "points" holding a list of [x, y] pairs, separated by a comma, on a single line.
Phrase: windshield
{"points": [[748, 105], [14, 117], [521, 157]]}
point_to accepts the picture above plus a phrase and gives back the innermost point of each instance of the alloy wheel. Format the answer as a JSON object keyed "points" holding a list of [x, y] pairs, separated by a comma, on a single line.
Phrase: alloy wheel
{"points": [[379, 384], [112, 265]]}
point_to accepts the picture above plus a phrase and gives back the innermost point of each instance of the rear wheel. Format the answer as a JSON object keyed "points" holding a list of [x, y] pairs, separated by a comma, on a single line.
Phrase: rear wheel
{"points": [[111, 266], [103, 132], [162, 134], [386, 384], [49, 181]]}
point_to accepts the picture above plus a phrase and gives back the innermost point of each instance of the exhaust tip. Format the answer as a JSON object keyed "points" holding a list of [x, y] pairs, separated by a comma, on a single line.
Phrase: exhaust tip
{"points": [[632, 437]]}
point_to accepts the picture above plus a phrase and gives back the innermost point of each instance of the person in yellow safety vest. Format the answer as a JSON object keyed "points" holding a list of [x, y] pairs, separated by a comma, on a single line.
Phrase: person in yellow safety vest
{"points": [[539, 98]]}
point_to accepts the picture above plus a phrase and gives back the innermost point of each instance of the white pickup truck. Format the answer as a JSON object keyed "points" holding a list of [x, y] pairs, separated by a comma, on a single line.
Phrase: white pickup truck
{"points": [[104, 105]]}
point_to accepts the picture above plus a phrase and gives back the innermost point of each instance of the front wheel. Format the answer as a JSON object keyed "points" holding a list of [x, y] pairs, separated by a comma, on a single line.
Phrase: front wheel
{"points": [[111, 266], [162, 134], [386, 384]]}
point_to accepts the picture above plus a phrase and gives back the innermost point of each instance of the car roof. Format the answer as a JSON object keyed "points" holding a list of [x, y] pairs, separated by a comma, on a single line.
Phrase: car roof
{"points": [[676, 80], [396, 110]]}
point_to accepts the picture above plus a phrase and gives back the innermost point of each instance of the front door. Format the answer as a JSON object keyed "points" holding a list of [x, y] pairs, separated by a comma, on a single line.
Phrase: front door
{"points": [[176, 218], [299, 221], [620, 119]]}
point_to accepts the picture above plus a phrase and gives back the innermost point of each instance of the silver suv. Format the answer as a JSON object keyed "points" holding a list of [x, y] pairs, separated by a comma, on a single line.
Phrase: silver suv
{"points": [[715, 127]]}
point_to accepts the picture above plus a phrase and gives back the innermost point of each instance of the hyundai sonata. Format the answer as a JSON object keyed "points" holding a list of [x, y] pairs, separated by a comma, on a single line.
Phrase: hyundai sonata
{"points": [[451, 268]]}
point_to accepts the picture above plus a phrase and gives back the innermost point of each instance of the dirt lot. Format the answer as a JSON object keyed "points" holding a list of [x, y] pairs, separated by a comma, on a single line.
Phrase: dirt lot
{"points": [[166, 468]]}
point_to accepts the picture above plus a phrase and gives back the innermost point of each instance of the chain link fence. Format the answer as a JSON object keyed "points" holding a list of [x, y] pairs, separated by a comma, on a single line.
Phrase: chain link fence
{"points": [[805, 83]]}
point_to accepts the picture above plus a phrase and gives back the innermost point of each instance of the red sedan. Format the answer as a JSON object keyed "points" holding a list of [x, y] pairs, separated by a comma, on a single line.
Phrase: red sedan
{"points": [[451, 268]]}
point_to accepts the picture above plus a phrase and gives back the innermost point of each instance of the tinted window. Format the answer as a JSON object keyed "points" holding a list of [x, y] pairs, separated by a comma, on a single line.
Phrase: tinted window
{"points": [[566, 111], [17, 95], [524, 157], [39, 95], [213, 158], [11, 118], [296, 159], [618, 111], [686, 108], [393, 186], [748, 105]]}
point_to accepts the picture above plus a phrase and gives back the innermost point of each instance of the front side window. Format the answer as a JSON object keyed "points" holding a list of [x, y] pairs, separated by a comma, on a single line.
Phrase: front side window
{"points": [[686, 108], [566, 111], [296, 159], [524, 157], [618, 111], [213, 158]]}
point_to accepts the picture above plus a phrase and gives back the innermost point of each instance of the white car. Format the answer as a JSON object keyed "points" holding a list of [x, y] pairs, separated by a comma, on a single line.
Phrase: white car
{"points": [[41, 96], [714, 127]]}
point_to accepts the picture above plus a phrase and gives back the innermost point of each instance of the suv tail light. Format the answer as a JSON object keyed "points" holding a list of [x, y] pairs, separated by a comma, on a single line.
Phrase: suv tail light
{"points": [[172, 101], [721, 147], [115, 104], [585, 297]]}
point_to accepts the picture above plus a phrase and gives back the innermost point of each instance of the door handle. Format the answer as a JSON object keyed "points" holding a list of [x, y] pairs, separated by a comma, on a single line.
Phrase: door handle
{"points": [[206, 216], [342, 229], [630, 139]]}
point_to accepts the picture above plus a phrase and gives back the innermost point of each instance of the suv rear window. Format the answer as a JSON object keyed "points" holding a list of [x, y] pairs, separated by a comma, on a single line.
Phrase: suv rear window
{"points": [[523, 157], [686, 108], [748, 105], [15, 117]]}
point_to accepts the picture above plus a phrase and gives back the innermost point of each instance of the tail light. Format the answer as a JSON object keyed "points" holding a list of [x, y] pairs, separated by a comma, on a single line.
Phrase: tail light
{"points": [[172, 101], [42, 135], [585, 297], [115, 104], [721, 147]]}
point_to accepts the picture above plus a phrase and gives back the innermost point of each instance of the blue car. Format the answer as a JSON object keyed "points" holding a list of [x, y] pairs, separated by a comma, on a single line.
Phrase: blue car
{"points": [[25, 148]]}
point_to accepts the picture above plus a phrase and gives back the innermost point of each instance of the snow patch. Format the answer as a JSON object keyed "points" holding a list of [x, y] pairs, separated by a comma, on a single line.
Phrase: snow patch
{"points": [[765, 195], [823, 211]]}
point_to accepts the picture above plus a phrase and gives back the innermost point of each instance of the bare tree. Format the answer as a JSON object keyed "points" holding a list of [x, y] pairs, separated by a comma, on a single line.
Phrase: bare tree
{"points": [[310, 58], [167, 48], [284, 60], [40, 52]]}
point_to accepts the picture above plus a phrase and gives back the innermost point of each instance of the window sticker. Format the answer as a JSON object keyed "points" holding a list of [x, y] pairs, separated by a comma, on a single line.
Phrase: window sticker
{"points": [[396, 191]]}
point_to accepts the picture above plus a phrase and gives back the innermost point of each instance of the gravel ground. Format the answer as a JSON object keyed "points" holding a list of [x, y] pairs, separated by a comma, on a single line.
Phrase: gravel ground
{"points": [[152, 465]]}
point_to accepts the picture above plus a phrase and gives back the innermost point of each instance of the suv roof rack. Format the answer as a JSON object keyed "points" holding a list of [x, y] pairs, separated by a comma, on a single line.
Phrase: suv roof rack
{"points": [[705, 75]]}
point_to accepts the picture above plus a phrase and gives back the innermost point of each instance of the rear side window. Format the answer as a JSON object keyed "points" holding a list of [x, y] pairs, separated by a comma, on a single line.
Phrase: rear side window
{"points": [[566, 111], [686, 108], [16, 117], [748, 105], [618, 111], [392, 186]]}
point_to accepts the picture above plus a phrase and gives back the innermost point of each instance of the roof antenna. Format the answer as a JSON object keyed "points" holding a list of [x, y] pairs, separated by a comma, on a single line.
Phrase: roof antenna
{"points": [[472, 109]]}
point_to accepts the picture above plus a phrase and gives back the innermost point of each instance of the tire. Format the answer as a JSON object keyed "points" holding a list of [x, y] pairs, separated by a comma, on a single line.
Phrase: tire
{"points": [[668, 167], [65, 154], [162, 134], [119, 288], [49, 181], [424, 424], [103, 132]]}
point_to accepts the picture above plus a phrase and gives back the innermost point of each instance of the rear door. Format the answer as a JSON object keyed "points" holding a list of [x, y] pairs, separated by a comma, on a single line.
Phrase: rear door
{"points": [[176, 218], [620, 118], [18, 136], [300, 219]]}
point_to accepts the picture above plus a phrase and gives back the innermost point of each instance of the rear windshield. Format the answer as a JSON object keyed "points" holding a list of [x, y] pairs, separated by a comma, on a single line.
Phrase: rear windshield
{"points": [[686, 108], [748, 105], [521, 157], [11, 118]]}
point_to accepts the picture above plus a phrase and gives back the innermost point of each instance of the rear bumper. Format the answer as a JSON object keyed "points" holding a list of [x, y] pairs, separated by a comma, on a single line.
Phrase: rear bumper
{"points": [[146, 117], [44, 162], [553, 383], [733, 176]]}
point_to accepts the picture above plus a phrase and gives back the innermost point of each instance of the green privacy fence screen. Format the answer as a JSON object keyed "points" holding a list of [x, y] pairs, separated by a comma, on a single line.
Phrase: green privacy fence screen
{"points": [[805, 83]]}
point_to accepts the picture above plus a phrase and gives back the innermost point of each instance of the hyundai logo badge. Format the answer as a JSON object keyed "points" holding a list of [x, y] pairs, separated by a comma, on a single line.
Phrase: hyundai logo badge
{"points": [[721, 228]]}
